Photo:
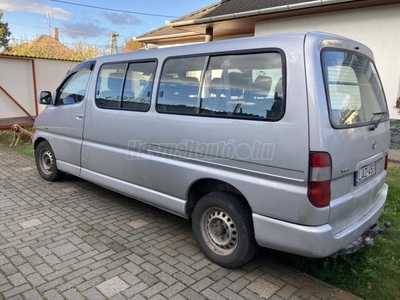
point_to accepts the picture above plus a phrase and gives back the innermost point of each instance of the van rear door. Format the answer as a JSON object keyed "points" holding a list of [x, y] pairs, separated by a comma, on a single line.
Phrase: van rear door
{"points": [[359, 118], [353, 127]]}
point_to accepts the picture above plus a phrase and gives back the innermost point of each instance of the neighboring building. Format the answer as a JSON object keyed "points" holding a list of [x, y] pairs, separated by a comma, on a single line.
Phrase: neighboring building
{"points": [[52, 48], [372, 22], [44, 46]]}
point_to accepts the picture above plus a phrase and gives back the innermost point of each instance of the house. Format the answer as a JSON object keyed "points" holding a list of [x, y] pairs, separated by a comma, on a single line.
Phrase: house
{"points": [[373, 22], [44, 46], [52, 48]]}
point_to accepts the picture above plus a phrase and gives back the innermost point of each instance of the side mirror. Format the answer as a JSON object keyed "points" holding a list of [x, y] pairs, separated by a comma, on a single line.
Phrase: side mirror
{"points": [[45, 97]]}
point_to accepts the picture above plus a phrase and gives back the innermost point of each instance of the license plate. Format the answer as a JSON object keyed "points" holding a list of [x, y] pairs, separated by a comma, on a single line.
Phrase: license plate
{"points": [[364, 173]]}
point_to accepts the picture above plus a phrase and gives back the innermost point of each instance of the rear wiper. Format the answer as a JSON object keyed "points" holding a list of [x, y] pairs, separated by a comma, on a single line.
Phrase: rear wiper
{"points": [[375, 125]]}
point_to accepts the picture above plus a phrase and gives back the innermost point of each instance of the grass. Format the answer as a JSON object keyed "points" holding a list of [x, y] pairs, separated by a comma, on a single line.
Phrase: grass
{"points": [[371, 273], [7, 136]]}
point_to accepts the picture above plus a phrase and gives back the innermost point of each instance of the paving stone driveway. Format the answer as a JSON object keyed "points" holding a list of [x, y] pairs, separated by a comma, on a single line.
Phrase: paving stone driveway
{"points": [[75, 240]]}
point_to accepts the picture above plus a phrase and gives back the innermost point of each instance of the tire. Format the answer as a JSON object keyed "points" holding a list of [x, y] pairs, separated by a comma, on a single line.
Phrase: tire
{"points": [[46, 163], [223, 228]]}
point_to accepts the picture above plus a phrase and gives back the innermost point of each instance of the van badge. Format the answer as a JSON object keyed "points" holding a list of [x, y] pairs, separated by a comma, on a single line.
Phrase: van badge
{"points": [[374, 144]]}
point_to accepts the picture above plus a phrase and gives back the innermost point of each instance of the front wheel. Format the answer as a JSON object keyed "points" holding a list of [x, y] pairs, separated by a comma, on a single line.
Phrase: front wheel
{"points": [[46, 163], [223, 228]]}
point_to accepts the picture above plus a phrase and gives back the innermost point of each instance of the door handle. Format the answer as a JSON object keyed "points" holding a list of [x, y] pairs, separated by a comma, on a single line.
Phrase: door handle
{"points": [[79, 116]]}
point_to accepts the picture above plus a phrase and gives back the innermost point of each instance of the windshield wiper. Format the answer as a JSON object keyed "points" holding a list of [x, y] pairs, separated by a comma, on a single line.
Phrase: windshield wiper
{"points": [[375, 125]]}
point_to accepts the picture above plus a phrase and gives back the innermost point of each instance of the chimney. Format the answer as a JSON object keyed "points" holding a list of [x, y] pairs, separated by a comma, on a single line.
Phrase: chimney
{"points": [[56, 33]]}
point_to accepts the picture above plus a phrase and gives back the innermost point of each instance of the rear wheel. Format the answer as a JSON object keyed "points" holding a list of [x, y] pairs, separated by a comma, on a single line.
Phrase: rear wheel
{"points": [[223, 228], [46, 163]]}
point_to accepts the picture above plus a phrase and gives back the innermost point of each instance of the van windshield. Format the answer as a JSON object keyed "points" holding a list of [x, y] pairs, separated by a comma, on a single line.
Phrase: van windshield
{"points": [[354, 91]]}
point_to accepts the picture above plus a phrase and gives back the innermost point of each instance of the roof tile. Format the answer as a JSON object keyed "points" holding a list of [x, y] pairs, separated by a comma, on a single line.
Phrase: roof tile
{"points": [[236, 6]]}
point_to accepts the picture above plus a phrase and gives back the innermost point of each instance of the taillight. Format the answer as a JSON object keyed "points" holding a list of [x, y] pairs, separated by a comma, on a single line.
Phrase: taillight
{"points": [[386, 161], [319, 182]]}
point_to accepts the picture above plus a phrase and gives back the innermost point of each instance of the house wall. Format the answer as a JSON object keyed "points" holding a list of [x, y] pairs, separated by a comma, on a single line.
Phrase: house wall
{"points": [[199, 40], [376, 27], [17, 79], [180, 43]]}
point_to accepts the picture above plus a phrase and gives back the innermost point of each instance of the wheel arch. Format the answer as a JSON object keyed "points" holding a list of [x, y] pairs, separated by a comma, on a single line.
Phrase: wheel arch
{"points": [[204, 186], [38, 141]]}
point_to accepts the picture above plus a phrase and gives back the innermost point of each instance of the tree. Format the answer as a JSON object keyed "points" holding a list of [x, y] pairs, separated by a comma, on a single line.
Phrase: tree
{"points": [[84, 52], [45, 46], [131, 44], [4, 33]]}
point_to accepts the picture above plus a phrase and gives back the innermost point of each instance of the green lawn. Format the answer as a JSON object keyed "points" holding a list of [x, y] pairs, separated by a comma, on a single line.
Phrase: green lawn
{"points": [[7, 136], [371, 273]]}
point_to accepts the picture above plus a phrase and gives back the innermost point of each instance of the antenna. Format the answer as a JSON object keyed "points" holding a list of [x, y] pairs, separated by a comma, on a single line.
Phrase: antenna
{"points": [[48, 14]]}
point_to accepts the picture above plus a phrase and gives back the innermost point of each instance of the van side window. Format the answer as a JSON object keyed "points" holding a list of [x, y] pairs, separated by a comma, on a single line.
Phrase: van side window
{"points": [[244, 86], [125, 86], [138, 86], [249, 86], [179, 85], [73, 89], [109, 85]]}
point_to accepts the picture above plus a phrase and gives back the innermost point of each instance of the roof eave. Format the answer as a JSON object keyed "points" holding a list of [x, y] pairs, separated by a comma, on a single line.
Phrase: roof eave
{"points": [[263, 11]]}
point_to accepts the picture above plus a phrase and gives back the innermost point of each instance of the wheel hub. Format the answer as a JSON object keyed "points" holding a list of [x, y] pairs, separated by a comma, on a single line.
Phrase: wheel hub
{"points": [[47, 161], [219, 231]]}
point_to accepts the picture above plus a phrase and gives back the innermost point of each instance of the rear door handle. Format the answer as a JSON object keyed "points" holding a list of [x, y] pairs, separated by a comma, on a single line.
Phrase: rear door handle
{"points": [[79, 116]]}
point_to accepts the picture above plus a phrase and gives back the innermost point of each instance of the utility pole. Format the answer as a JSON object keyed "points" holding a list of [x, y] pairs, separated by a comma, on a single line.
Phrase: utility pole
{"points": [[113, 44]]}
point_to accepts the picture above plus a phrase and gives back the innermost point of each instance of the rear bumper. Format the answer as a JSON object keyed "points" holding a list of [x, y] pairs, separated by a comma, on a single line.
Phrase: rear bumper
{"points": [[314, 241]]}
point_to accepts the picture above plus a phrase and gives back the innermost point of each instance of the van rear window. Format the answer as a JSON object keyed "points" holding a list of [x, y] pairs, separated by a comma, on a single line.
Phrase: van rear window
{"points": [[354, 91]]}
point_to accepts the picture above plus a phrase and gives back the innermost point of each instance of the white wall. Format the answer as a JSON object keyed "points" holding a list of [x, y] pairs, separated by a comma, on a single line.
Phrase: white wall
{"points": [[16, 77], [49, 74], [180, 43], [376, 27]]}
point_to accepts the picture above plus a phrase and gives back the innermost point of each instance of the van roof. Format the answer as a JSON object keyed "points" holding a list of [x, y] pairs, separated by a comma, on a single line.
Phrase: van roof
{"points": [[217, 46]]}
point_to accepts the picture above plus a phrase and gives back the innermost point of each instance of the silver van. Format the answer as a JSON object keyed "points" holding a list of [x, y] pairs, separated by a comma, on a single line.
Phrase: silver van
{"points": [[278, 141]]}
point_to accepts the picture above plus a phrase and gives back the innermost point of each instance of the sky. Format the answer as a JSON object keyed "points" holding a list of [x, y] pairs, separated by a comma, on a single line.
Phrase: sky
{"points": [[79, 20]]}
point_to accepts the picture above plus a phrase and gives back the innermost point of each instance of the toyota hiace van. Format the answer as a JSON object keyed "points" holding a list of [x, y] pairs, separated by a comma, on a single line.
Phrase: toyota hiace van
{"points": [[277, 141]]}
